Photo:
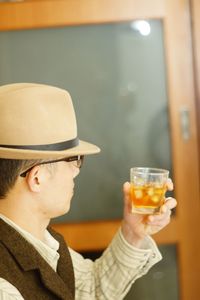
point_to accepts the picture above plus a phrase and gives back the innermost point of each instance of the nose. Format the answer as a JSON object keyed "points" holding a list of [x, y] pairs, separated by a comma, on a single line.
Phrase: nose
{"points": [[76, 171]]}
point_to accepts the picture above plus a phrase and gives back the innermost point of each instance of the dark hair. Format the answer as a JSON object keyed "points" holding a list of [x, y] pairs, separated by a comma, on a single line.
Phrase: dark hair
{"points": [[10, 170]]}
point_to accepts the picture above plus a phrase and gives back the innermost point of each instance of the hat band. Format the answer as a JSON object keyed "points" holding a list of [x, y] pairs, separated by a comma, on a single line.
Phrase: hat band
{"points": [[48, 147]]}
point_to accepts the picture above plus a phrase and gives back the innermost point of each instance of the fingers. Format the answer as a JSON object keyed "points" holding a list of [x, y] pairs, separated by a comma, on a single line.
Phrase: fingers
{"points": [[170, 203], [164, 217], [159, 220], [170, 185]]}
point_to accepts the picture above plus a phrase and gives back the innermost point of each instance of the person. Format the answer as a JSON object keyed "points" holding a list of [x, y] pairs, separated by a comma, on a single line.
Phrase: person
{"points": [[40, 156]]}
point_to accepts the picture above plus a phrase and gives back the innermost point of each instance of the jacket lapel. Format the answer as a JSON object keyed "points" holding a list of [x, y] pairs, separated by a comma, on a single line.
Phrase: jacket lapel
{"points": [[29, 259]]}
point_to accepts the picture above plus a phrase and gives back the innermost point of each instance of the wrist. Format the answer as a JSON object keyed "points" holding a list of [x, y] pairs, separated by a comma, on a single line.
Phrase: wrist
{"points": [[131, 237]]}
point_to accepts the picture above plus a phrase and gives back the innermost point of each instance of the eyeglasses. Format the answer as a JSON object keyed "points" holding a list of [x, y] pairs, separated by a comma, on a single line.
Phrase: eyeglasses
{"points": [[78, 162]]}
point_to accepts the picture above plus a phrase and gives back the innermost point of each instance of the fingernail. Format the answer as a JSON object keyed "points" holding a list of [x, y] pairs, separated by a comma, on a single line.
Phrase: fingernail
{"points": [[151, 218]]}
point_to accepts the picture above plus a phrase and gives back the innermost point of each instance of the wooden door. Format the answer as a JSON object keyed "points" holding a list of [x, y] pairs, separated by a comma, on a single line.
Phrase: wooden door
{"points": [[195, 21], [175, 14]]}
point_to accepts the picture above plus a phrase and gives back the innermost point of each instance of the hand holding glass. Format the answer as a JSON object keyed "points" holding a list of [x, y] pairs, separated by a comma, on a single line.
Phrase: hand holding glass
{"points": [[148, 187]]}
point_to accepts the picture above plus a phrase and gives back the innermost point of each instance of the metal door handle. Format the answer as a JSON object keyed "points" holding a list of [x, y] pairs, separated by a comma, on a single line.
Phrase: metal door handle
{"points": [[185, 123]]}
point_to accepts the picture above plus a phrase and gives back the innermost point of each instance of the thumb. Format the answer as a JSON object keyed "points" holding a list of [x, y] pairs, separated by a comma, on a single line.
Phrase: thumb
{"points": [[126, 191]]}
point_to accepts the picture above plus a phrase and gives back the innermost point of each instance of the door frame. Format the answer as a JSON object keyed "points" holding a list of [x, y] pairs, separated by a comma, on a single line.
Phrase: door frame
{"points": [[183, 230]]}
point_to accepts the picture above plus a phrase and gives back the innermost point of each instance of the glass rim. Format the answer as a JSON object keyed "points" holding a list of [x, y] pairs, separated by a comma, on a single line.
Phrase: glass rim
{"points": [[148, 170]]}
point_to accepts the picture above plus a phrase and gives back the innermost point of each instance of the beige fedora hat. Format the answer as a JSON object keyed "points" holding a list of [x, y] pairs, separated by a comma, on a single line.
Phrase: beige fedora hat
{"points": [[38, 122]]}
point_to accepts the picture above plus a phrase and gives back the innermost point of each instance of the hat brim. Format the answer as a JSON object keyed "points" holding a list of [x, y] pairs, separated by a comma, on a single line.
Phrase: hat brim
{"points": [[84, 148]]}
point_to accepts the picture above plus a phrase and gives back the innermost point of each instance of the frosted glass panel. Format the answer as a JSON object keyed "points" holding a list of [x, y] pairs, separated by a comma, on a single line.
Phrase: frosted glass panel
{"points": [[116, 77]]}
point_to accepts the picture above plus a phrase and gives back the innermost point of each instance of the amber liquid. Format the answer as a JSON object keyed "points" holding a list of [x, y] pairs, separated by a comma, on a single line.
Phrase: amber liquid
{"points": [[147, 196]]}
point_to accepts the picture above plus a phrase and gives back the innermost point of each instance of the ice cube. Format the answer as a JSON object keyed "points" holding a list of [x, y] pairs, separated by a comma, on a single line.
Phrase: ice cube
{"points": [[138, 194], [150, 191], [155, 198]]}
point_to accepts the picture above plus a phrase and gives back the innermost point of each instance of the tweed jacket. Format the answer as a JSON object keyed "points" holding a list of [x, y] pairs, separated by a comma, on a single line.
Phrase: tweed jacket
{"points": [[23, 267]]}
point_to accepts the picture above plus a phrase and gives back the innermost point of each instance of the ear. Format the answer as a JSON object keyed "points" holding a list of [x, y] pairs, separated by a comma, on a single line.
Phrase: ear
{"points": [[35, 178]]}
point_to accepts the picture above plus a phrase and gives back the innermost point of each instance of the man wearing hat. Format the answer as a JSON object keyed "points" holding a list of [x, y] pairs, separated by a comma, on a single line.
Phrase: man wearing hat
{"points": [[40, 155]]}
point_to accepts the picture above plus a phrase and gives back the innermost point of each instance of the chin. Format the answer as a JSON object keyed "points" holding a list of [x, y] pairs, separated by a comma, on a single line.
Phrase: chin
{"points": [[61, 212]]}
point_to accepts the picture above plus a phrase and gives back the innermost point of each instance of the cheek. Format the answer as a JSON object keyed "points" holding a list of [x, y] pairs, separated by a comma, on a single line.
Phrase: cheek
{"points": [[62, 183], [65, 185]]}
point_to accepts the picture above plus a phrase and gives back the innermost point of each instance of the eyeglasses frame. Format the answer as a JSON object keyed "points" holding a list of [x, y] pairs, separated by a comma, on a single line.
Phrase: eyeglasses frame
{"points": [[78, 158]]}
